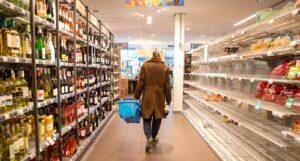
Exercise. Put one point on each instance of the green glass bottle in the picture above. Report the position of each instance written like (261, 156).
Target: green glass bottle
(39, 46)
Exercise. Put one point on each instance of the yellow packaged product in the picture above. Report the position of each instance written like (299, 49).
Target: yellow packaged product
(267, 43)
(277, 42)
(286, 40)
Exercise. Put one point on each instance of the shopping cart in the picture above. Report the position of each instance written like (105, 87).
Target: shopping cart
(129, 110)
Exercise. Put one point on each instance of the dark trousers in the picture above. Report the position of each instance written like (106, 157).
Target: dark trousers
(151, 127)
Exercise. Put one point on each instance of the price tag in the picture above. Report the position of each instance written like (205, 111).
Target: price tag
(270, 81)
(8, 5)
(295, 12)
(270, 53)
(11, 60)
(240, 79)
(271, 21)
(241, 57)
(50, 140)
(258, 105)
(239, 101)
(6, 116)
(289, 103)
(252, 80)
(22, 60)
(243, 32)
(293, 43)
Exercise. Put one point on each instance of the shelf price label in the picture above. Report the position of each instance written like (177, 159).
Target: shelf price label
(295, 12)
(258, 105)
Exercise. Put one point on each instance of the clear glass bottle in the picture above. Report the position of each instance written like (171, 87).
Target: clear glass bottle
(40, 87)
(26, 42)
(15, 49)
(6, 37)
(23, 88)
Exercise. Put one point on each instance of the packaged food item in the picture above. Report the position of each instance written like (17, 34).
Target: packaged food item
(298, 4)
(214, 97)
(287, 91)
(294, 73)
(271, 92)
(296, 126)
(260, 87)
(277, 42)
(267, 43)
(294, 102)
(286, 40)
(283, 68)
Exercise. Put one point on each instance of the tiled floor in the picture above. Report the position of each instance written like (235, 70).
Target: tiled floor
(125, 142)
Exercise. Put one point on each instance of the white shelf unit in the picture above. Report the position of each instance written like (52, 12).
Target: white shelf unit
(263, 132)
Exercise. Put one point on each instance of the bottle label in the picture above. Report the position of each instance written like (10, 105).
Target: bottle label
(82, 133)
(8, 100)
(46, 94)
(18, 42)
(63, 89)
(69, 74)
(49, 127)
(91, 100)
(71, 89)
(30, 94)
(96, 100)
(67, 89)
(55, 92)
(25, 92)
(40, 95)
(40, 8)
(26, 143)
(12, 152)
(28, 46)
(43, 53)
(8, 39)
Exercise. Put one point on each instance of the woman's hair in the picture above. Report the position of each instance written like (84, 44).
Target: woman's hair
(157, 52)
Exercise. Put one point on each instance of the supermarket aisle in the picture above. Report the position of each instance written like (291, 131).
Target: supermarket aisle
(122, 142)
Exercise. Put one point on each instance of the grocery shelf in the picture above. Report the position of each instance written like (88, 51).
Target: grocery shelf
(278, 23)
(18, 60)
(85, 144)
(8, 8)
(104, 100)
(66, 64)
(277, 110)
(250, 77)
(236, 140)
(105, 51)
(292, 134)
(105, 83)
(21, 111)
(67, 128)
(288, 50)
(266, 129)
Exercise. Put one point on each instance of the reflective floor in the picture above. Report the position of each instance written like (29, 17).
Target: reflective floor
(126, 142)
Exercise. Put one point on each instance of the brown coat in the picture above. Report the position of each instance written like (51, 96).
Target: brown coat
(154, 84)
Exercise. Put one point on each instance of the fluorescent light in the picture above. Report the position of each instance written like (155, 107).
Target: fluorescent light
(244, 20)
(149, 20)
(152, 35)
(187, 29)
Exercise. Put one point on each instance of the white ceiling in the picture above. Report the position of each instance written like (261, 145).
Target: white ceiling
(207, 19)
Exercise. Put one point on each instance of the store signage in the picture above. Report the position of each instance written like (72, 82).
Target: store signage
(105, 31)
(94, 20)
(80, 7)
(121, 45)
(150, 3)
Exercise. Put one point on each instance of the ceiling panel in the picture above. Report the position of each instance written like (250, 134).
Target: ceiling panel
(207, 19)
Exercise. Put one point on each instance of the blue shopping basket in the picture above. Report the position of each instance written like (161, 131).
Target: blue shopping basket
(129, 110)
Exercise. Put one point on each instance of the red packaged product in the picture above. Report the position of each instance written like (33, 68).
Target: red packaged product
(286, 92)
(271, 92)
(283, 68)
(296, 105)
(260, 87)
(298, 3)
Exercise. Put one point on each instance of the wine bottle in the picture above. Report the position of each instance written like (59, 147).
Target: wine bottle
(40, 87)
(39, 46)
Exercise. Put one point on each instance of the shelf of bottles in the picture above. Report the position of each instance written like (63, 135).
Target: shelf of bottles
(116, 68)
(55, 74)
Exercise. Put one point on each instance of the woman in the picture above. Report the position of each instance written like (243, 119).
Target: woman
(154, 85)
